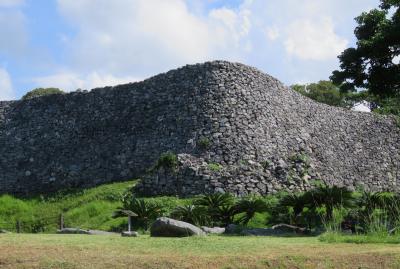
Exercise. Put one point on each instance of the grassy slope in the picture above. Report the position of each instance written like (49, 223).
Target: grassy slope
(89, 209)
(79, 251)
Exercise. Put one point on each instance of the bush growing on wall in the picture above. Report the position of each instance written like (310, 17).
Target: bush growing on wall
(41, 92)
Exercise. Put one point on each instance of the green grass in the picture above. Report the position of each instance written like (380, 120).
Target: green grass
(88, 209)
(334, 237)
(82, 251)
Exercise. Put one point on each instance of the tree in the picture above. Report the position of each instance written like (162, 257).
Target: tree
(372, 64)
(323, 92)
(41, 92)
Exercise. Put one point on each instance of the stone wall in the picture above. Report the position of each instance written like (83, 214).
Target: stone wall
(233, 127)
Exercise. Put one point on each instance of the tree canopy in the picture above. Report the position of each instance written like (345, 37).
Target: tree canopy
(323, 91)
(374, 63)
(41, 92)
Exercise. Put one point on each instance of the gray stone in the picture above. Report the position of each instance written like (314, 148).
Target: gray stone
(73, 231)
(83, 139)
(213, 230)
(166, 227)
(129, 234)
(98, 232)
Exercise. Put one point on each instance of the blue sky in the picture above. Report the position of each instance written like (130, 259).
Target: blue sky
(84, 44)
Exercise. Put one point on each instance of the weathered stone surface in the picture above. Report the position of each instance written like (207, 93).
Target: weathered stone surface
(286, 228)
(73, 231)
(263, 136)
(213, 230)
(130, 234)
(166, 227)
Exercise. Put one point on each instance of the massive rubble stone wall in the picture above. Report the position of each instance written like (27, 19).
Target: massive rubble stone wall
(233, 127)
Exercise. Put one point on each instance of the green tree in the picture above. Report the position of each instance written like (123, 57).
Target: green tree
(323, 92)
(372, 64)
(41, 92)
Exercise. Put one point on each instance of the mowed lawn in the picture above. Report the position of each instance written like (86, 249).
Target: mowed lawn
(85, 251)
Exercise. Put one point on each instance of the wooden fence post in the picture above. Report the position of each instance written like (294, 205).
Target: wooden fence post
(61, 223)
(18, 227)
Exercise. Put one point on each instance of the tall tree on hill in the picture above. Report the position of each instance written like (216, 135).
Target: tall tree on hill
(374, 63)
(323, 92)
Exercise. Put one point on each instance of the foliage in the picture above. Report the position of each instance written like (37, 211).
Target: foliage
(250, 206)
(219, 207)
(323, 92)
(215, 167)
(371, 64)
(38, 92)
(167, 160)
(144, 211)
(332, 197)
(194, 214)
(87, 209)
(204, 143)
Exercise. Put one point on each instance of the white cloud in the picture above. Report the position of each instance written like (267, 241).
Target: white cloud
(6, 89)
(70, 81)
(13, 34)
(272, 32)
(149, 36)
(314, 39)
(11, 3)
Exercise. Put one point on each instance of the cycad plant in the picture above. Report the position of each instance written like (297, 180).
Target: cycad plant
(194, 214)
(220, 207)
(250, 206)
(140, 211)
(332, 197)
(294, 204)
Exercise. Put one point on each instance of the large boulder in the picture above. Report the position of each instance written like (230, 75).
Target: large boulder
(166, 227)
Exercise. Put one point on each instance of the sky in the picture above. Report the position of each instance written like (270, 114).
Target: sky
(84, 44)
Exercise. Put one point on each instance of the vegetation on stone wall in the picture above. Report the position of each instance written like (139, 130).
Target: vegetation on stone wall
(38, 92)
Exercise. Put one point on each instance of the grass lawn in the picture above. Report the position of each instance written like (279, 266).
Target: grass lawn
(83, 251)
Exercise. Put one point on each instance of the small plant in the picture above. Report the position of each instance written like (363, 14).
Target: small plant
(266, 164)
(167, 160)
(215, 167)
(204, 143)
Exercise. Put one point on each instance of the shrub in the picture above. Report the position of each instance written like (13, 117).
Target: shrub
(38, 92)
(215, 167)
(194, 214)
(204, 143)
(167, 160)
(250, 206)
(143, 212)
